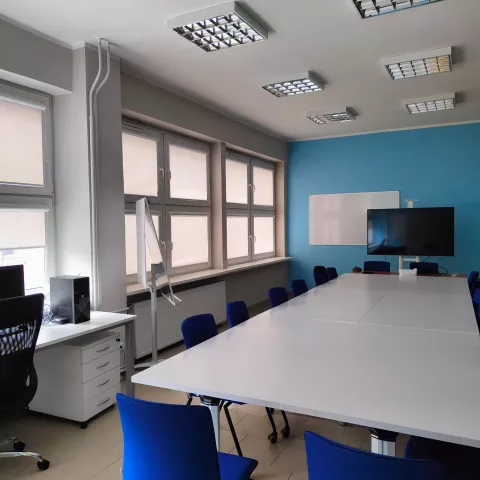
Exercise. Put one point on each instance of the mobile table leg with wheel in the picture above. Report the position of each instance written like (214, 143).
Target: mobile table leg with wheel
(214, 405)
(383, 441)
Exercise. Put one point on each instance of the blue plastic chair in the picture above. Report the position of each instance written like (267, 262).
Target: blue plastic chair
(472, 281)
(299, 287)
(237, 313)
(332, 273)
(174, 441)
(376, 266)
(198, 329)
(277, 296)
(458, 461)
(329, 460)
(425, 267)
(320, 275)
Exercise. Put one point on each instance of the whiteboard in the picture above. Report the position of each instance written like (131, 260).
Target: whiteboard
(341, 219)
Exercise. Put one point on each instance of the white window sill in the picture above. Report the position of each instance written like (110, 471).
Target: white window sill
(211, 273)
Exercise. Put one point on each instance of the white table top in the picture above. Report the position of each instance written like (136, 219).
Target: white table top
(338, 366)
(53, 334)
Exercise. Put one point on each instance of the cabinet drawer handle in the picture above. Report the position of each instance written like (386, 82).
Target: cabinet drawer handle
(104, 383)
(104, 365)
(103, 403)
(103, 349)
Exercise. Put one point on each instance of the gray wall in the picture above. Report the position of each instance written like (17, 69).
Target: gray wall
(32, 61)
(145, 101)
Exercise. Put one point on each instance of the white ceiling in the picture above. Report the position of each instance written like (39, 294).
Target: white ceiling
(325, 36)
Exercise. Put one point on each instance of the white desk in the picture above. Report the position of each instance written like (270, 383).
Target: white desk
(416, 381)
(99, 321)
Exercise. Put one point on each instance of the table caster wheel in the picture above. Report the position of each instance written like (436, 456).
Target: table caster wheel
(285, 432)
(19, 446)
(273, 437)
(43, 465)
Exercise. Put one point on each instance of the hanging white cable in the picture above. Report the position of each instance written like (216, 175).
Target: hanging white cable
(95, 293)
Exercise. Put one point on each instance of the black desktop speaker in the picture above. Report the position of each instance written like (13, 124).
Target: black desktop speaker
(70, 298)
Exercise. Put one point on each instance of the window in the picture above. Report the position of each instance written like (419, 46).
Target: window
(174, 173)
(250, 196)
(26, 189)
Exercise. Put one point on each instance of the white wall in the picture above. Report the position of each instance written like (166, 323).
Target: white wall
(150, 103)
(32, 61)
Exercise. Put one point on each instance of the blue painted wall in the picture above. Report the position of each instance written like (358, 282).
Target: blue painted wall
(437, 166)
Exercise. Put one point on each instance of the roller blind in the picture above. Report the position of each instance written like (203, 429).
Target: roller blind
(22, 229)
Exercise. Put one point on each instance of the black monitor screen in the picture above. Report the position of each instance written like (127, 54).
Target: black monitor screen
(12, 283)
(411, 231)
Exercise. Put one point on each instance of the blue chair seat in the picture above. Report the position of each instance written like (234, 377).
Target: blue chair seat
(233, 467)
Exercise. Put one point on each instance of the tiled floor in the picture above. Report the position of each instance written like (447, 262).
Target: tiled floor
(96, 452)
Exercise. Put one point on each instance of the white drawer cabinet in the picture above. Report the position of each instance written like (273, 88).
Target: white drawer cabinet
(79, 379)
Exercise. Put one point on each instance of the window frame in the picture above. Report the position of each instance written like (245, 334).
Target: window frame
(241, 213)
(251, 209)
(43, 102)
(163, 204)
(193, 211)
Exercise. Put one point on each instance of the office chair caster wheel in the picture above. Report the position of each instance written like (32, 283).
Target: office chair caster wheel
(285, 432)
(43, 465)
(273, 437)
(19, 446)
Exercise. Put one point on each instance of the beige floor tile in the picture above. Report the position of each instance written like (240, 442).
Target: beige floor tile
(299, 476)
(263, 472)
(255, 427)
(296, 422)
(324, 427)
(255, 410)
(227, 444)
(261, 450)
(112, 472)
(235, 414)
(354, 436)
(293, 458)
(401, 443)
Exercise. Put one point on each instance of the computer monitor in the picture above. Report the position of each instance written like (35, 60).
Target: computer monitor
(12, 283)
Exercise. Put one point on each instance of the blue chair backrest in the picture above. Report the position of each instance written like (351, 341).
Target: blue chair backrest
(167, 441)
(198, 328)
(329, 460)
(277, 296)
(331, 273)
(424, 267)
(320, 275)
(299, 287)
(472, 281)
(237, 313)
(376, 266)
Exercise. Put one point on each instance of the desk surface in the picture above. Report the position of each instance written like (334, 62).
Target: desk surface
(53, 334)
(341, 364)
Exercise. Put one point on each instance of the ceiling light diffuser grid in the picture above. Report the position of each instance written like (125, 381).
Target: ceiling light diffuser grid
(322, 118)
(295, 84)
(218, 28)
(431, 104)
(373, 8)
(419, 64)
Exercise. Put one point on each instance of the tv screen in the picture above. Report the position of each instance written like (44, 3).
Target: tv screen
(411, 231)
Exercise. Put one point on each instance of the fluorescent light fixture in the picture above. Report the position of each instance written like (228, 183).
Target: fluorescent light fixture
(295, 84)
(418, 64)
(220, 27)
(373, 8)
(432, 104)
(323, 118)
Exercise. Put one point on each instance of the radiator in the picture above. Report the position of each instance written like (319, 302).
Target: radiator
(207, 299)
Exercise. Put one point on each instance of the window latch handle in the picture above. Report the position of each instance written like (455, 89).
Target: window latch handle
(162, 171)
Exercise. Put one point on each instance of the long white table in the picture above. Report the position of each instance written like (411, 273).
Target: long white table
(398, 354)
(99, 321)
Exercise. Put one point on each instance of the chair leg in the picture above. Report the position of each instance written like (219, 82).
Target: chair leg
(42, 463)
(273, 437)
(232, 429)
(286, 429)
(190, 398)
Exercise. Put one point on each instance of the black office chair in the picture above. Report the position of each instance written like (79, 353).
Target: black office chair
(320, 275)
(20, 321)
(425, 268)
(376, 266)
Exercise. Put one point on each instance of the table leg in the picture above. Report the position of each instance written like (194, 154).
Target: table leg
(383, 441)
(129, 357)
(213, 405)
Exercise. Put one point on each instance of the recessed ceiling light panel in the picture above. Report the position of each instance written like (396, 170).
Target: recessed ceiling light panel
(419, 64)
(295, 84)
(322, 118)
(220, 27)
(373, 8)
(432, 104)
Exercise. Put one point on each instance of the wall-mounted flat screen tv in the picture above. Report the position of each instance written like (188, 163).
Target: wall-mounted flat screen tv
(411, 231)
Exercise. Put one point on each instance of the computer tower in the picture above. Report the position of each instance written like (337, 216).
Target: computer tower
(70, 298)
